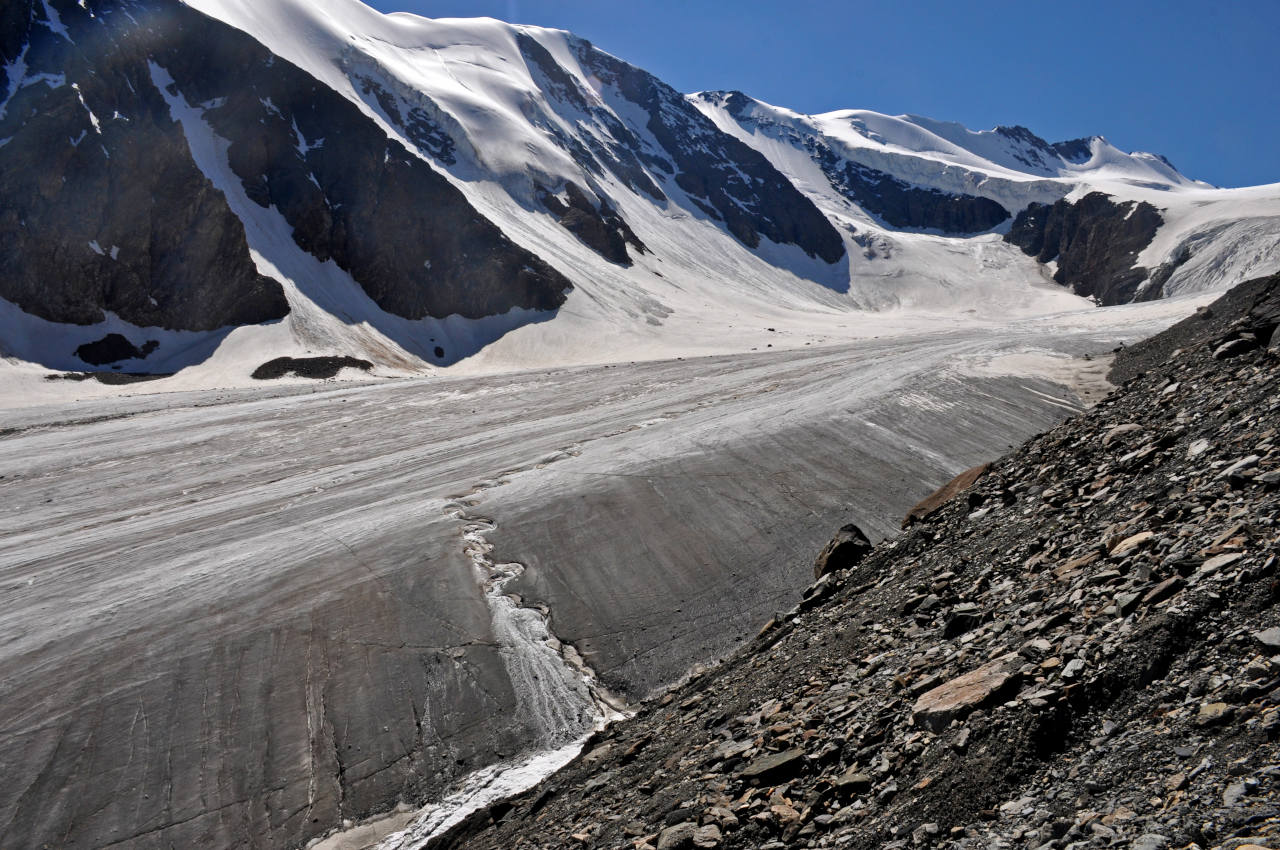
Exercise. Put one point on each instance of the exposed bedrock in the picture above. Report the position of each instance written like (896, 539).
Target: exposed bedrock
(596, 223)
(1095, 242)
(901, 204)
(104, 208)
(113, 348)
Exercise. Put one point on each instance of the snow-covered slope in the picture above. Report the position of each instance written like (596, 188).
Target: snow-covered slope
(471, 194)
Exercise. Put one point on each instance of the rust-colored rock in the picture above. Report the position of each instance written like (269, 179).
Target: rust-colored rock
(932, 503)
(962, 695)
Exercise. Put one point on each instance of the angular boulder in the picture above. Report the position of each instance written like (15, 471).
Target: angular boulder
(775, 767)
(846, 550)
(931, 504)
(962, 695)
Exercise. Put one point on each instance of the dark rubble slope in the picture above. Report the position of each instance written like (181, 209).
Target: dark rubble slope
(1081, 650)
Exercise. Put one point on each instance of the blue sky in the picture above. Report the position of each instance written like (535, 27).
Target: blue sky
(1196, 81)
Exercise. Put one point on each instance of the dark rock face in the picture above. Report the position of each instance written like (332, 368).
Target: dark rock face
(108, 211)
(112, 348)
(901, 204)
(1094, 241)
(596, 224)
(728, 180)
(104, 208)
(1123, 661)
(1039, 155)
(625, 155)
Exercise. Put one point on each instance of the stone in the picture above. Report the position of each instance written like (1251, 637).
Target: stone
(1150, 841)
(1129, 544)
(1217, 562)
(1197, 448)
(1234, 793)
(707, 836)
(1233, 348)
(959, 622)
(844, 551)
(853, 781)
(1127, 603)
(1163, 591)
(1240, 465)
(1119, 431)
(962, 695)
(932, 503)
(1213, 713)
(1270, 638)
(678, 837)
(775, 766)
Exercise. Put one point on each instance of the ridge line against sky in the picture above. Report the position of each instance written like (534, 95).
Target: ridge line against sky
(1197, 82)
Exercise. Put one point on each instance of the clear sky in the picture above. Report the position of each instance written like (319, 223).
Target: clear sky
(1196, 81)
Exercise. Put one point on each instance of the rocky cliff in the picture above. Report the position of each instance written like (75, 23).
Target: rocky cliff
(104, 208)
(1094, 242)
(1078, 650)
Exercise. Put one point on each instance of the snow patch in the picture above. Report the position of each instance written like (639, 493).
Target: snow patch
(54, 21)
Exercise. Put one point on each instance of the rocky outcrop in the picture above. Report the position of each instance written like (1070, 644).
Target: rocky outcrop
(107, 211)
(729, 181)
(1115, 683)
(596, 224)
(1035, 153)
(1094, 241)
(618, 151)
(352, 195)
(895, 201)
(900, 204)
(308, 367)
(113, 348)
